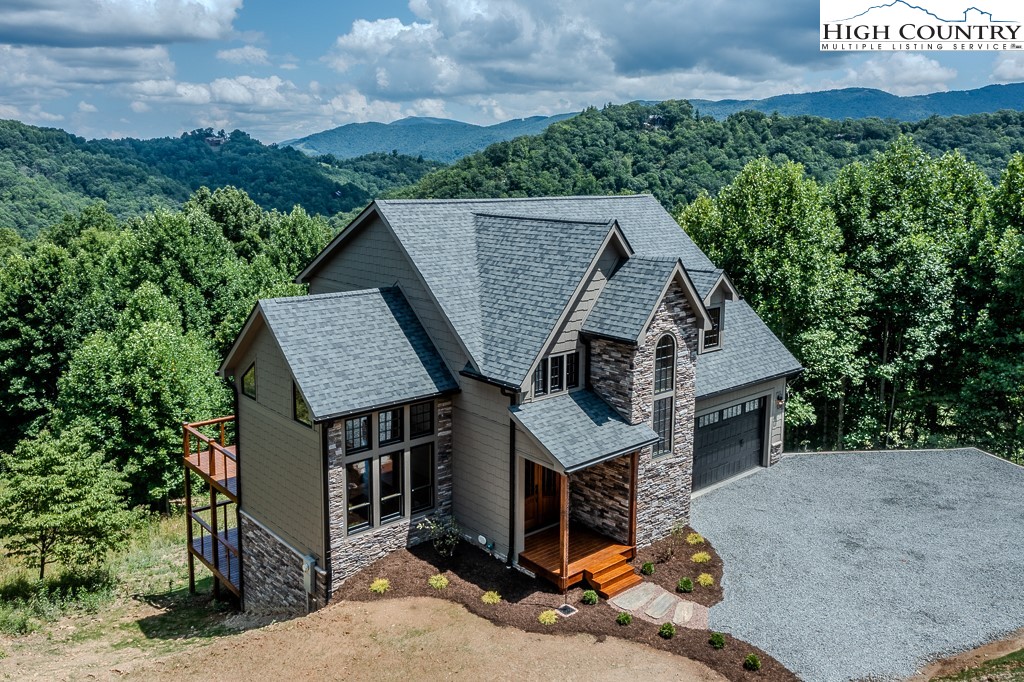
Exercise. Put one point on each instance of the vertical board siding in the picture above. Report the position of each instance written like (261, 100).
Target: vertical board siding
(372, 258)
(481, 462)
(280, 459)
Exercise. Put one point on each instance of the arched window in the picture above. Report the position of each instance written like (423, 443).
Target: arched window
(664, 393)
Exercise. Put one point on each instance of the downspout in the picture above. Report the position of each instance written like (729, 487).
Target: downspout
(513, 397)
(324, 428)
(238, 489)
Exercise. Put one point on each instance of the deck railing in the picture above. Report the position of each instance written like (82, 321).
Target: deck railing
(216, 540)
(217, 446)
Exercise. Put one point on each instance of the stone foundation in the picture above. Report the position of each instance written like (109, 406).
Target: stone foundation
(351, 554)
(599, 498)
(272, 574)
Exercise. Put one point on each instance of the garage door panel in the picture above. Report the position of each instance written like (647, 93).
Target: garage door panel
(730, 445)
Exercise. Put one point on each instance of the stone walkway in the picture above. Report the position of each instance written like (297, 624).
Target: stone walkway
(655, 604)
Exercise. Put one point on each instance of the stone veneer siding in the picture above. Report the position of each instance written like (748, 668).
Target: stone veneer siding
(272, 573)
(623, 375)
(599, 497)
(349, 555)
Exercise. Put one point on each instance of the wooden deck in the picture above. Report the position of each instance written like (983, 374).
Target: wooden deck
(589, 551)
(221, 469)
(228, 565)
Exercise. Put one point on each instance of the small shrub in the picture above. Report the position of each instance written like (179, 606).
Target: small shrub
(684, 585)
(624, 618)
(380, 586)
(490, 597)
(695, 539)
(717, 640)
(667, 631)
(438, 582)
(589, 597)
(647, 568)
(700, 558)
(443, 533)
(752, 662)
(705, 580)
(549, 617)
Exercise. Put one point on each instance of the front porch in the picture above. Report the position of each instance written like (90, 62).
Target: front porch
(591, 556)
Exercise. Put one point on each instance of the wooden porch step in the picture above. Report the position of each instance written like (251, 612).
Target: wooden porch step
(610, 575)
(620, 584)
(605, 564)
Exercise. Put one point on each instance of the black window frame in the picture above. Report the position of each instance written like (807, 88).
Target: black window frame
(430, 486)
(397, 414)
(540, 378)
(572, 370)
(413, 433)
(559, 375)
(367, 479)
(398, 464)
(665, 364)
(715, 315)
(350, 450)
(662, 421)
(255, 385)
(297, 399)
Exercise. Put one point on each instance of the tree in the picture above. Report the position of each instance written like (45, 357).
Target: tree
(62, 501)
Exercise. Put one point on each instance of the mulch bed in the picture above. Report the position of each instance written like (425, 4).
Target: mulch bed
(671, 559)
(471, 573)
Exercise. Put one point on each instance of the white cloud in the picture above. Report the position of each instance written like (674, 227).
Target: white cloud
(8, 111)
(1008, 68)
(113, 23)
(139, 107)
(248, 54)
(901, 73)
(86, 108)
(37, 113)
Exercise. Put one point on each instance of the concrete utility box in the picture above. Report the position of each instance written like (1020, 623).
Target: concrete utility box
(308, 573)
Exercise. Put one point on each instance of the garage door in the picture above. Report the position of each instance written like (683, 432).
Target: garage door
(728, 442)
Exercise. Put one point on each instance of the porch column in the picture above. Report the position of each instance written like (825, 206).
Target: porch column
(634, 469)
(563, 528)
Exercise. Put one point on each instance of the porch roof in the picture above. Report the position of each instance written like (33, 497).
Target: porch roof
(580, 429)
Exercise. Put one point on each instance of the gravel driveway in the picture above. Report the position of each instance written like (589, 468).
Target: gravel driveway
(853, 565)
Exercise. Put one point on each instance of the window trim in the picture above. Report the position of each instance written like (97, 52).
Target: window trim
(716, 328)
(545, 369)
(541, 372)
(401, 426)
(296, 397)
(396, 456)
(371, 516)
(255, 381)
(369, 433)
(433, 420)
(552, 361)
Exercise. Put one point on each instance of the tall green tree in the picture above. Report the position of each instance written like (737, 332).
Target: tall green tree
(62, 501)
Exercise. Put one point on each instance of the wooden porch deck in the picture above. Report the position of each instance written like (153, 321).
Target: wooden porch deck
(221, 469)
(590, 553)
(228, 565)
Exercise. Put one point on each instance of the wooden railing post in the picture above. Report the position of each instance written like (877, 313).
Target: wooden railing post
(634, 470)
(563, 535)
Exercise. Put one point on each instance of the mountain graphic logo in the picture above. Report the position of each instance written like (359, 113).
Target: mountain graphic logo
(969, 15)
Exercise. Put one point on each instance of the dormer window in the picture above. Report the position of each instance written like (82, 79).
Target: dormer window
(556, 374)
(713, 336)
(540, 378)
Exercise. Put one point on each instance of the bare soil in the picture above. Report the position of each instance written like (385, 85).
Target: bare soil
(471, 573)
(954, 665)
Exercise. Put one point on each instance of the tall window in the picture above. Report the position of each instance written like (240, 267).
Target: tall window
(572, 370)
(664, 393)
(300, 408)
(557, 368)
(359, 482)
(422, 468)
(249, 381)
(713, 336)
(540, 378)
(391, 487)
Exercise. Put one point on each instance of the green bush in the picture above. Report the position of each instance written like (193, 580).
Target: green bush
(667, 631)
(443, 532)
(624, 618)
(647, 568)
(700, 558)
(549, 617)
(589, 597)
(717, 640)
(438, 582)
(752, 662)
(705, 580)
(490, 597)
(684, 585)
(380, 586)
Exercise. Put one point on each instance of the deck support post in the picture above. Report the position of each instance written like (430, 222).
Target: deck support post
(213, 536)
(187, 445)
(634, 470)
(563, 534)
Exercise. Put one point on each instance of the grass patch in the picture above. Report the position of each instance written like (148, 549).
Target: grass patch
(1009, 667)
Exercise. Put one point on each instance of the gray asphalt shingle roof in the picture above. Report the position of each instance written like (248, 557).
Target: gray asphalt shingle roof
(704, 280)
(628, 298)
(352, 351)
(579, 429)
(502, 280)
(750, 353)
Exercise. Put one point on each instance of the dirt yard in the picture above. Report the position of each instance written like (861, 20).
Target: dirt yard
(395, 639)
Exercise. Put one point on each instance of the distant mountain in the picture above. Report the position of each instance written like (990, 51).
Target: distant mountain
(439, 139)
(866, 103)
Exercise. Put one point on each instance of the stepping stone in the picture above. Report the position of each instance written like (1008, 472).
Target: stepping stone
(684, 612)
(635, 597)
(663, 606)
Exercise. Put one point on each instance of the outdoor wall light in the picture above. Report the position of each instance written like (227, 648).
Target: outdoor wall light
(780, 399)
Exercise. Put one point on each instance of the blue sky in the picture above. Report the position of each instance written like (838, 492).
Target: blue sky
(148, 68)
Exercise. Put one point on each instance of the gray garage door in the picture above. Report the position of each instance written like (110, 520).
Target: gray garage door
(728, 442)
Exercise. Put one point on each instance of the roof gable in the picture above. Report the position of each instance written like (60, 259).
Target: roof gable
(353, 351)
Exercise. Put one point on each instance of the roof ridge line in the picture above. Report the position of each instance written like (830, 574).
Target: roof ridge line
(488, 200)
(328, 295)
(575, 221)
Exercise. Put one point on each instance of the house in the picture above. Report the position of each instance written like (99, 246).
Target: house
(559, 374)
